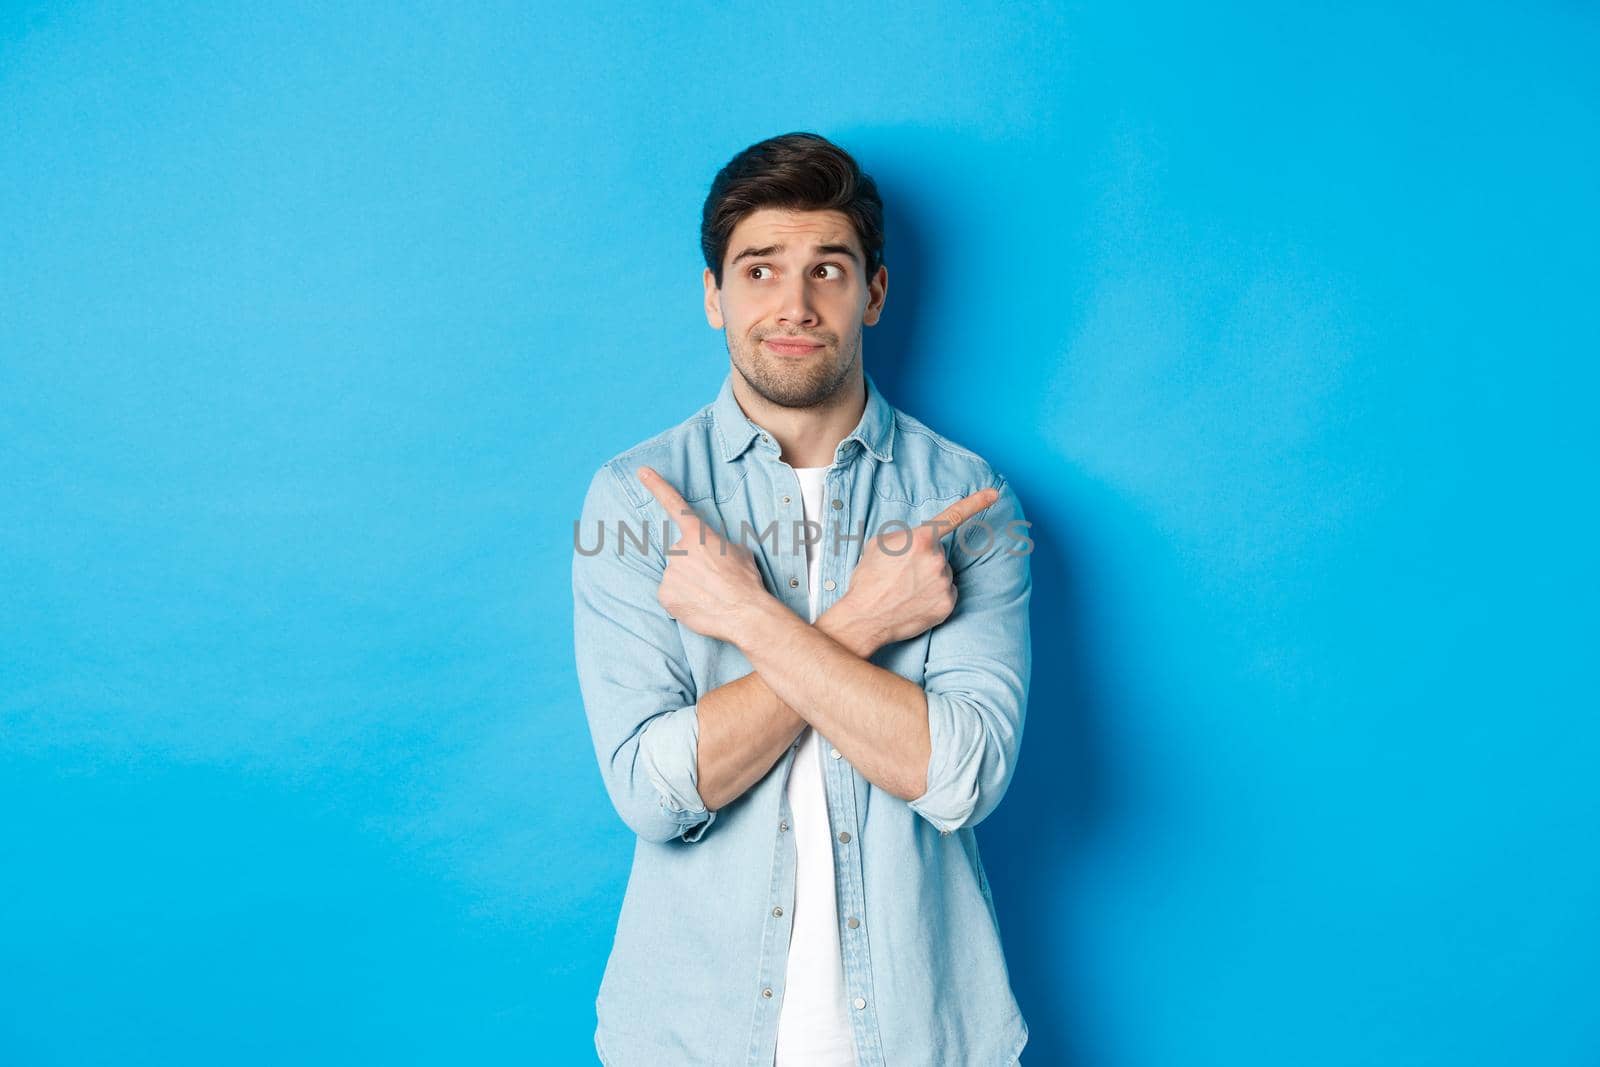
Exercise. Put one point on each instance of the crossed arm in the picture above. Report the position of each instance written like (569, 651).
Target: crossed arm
(813, 674)
(670, 755)
(821, 669)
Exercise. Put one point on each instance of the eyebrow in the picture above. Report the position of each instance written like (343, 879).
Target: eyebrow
(821, 250)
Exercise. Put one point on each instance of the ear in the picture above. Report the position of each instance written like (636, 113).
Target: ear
(713, 301)
(877, 293)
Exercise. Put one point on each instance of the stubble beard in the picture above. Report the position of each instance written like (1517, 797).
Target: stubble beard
(789, 383)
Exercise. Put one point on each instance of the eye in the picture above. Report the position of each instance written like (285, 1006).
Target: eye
(833, 266)
(756, 268)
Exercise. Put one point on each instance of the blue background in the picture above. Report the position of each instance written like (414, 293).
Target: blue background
(314, 324)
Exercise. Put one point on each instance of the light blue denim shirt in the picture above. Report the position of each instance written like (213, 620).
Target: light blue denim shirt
(696, 971)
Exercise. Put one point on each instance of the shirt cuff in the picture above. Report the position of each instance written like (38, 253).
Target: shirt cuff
(670, 751)
(956, 739)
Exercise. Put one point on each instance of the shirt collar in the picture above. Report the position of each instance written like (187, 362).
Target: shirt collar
(875, 431)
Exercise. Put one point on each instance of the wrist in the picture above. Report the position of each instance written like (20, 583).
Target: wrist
(849, 630)
(755, 621)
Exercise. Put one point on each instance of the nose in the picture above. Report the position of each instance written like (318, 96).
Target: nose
(796, 309)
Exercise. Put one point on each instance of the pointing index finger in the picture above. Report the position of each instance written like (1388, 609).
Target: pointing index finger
(677, 508)
(953, 516)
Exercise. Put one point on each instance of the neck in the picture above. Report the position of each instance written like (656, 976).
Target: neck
(810, 436)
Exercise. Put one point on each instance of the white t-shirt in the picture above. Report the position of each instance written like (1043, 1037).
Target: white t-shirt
(813, 1023)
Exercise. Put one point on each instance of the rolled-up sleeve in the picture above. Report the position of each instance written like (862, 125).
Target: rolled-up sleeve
(979, 666)
(638, 692)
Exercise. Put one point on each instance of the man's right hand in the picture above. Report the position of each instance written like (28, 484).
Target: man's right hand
(897, 591)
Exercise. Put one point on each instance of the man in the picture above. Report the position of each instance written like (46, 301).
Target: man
(803, 734)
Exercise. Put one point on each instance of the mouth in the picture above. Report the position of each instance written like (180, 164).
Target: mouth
(792, 346)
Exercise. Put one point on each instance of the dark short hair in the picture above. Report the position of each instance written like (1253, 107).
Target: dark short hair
(798, 172)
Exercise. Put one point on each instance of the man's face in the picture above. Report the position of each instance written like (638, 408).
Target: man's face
(795, 275)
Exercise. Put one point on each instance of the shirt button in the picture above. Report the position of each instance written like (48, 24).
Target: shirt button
(834, 753)
(794, 583)
(852, 922)
(838, 505)
(783, 824)
(786, 498)
(861, 1002)
(944, 833)
(844, 835)
(767, 992)
(764, 437)
(829, 584)
(777, 911)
